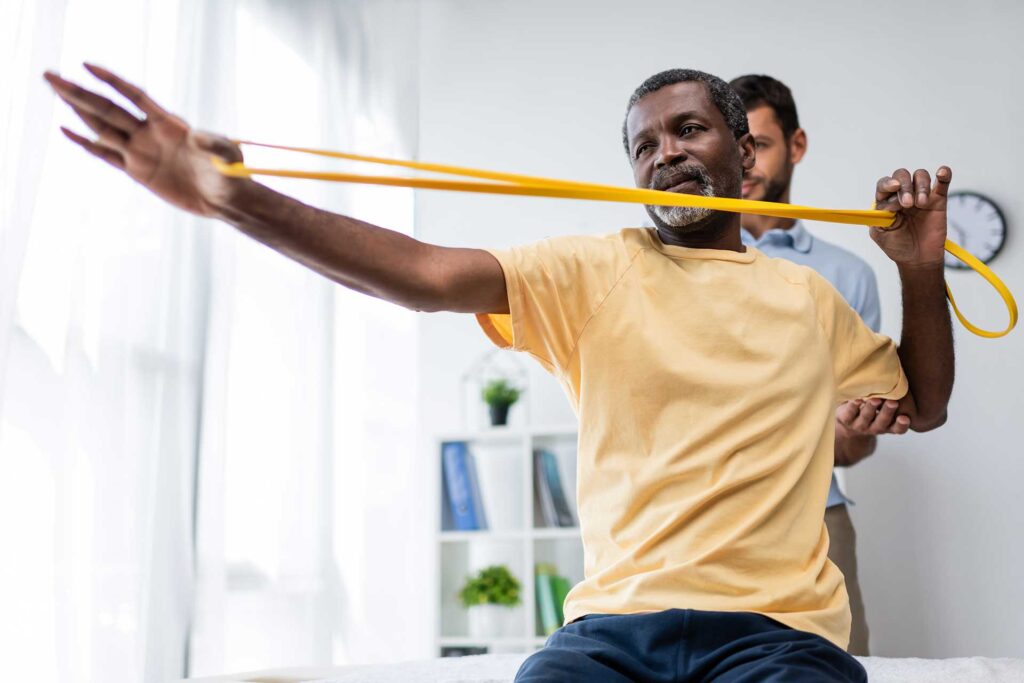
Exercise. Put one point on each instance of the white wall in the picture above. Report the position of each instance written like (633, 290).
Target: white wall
(540, 87)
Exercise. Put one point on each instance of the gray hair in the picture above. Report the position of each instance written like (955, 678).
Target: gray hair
(724, 97)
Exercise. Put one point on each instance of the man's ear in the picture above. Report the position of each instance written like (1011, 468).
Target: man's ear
(748, 151)
(797, 145)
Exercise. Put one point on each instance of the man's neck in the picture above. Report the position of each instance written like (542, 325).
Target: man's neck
(721, 232)
(759, 225)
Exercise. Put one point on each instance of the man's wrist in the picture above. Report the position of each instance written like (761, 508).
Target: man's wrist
(915, 269)
(853, 447)
(922, 278)
(244, 200)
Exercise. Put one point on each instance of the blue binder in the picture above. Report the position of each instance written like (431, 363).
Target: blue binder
(461, 488)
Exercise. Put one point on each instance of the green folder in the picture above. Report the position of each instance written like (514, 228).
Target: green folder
(561, 588)
(548, 608)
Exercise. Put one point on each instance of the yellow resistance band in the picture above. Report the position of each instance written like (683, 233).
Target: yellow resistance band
(532, 186)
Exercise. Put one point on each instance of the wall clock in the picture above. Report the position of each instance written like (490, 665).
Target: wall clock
(976, 223)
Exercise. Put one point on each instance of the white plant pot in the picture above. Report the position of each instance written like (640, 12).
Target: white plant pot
(494, 621)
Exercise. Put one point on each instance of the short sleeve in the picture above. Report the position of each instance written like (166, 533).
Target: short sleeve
(865, 364)
(554, 287)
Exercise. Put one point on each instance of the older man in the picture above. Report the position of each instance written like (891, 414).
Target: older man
(705, 376)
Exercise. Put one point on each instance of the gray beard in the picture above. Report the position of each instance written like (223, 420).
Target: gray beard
(685, 216)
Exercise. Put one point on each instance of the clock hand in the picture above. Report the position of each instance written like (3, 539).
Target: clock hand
(953, 227)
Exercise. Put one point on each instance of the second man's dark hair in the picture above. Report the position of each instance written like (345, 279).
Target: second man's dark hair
(764, 91)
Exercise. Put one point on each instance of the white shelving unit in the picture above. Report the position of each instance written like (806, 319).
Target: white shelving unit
(504, 462)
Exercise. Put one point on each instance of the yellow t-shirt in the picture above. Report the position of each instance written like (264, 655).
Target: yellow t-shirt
(705, 382)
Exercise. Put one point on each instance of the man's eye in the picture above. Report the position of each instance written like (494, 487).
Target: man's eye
(760, 145)
(642, 148)
(686, 130)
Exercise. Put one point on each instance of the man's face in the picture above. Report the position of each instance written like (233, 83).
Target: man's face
(769, 179)
(679, 141)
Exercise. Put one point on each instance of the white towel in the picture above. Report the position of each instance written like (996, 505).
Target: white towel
(502, 669)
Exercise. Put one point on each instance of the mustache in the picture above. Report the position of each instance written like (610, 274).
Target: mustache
(670, 176)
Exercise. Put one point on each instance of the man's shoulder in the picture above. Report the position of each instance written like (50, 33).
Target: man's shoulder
(591, 260)
(793, 272)
(627, 239)
(841, 258)
(611, 252)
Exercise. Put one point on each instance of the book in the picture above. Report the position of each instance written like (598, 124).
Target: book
(548, 485)
(447, 517)
(543, 503)
(460, 488)
(547, 608)
(462, 650)
(474, 492)
(561, 587)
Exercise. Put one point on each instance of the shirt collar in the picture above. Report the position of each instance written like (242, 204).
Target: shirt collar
(796, 237)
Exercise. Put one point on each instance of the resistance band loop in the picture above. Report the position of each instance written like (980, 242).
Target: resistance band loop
(532, 186)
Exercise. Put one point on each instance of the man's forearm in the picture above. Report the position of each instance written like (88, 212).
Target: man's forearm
(926, 345)
(364, 257)
(850, 449)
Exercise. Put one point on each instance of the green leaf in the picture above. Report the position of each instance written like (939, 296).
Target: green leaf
(500, 392)
(493, 585)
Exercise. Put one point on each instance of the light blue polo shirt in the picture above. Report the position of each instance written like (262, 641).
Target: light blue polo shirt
(848, 273)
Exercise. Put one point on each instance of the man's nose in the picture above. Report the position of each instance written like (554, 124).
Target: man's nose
(670, 151)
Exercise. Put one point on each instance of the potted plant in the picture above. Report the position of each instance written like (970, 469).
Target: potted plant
(499, 395)
(490, 596)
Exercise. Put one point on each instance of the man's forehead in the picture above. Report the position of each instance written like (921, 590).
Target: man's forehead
(764, 121)
(688, 96)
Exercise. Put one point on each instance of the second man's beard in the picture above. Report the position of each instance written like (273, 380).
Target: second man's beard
(774, 189)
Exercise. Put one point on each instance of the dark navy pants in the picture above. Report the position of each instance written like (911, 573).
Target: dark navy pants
(682, 645)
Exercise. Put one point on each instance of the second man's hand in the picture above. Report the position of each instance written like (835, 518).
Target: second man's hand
(859, 422)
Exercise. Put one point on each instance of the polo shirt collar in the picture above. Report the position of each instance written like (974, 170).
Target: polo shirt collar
(802, 239)
(796, 237)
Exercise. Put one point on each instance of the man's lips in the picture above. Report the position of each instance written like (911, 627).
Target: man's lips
(688, 186)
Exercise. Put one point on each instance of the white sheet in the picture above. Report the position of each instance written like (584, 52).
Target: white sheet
(502, 669)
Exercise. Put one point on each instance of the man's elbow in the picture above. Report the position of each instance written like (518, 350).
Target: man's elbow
(425, 300)
(426, 292)
(926, 423)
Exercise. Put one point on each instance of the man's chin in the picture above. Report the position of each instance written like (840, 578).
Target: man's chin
(696, 224)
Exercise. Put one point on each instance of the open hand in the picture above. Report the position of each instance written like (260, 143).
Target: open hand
(918, 235)
(160, 152)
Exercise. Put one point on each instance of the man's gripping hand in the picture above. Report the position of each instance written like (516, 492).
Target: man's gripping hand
(160, 152)
(859, 422)
(871, 417)
(917, 237)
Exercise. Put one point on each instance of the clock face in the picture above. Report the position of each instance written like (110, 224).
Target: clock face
(976, 224)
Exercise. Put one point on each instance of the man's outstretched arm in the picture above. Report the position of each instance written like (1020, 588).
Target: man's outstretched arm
(366, 258)
(915, 243)
(165, 155)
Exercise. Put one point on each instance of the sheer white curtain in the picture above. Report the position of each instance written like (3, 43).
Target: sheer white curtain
(305, 403)
(147, 355)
